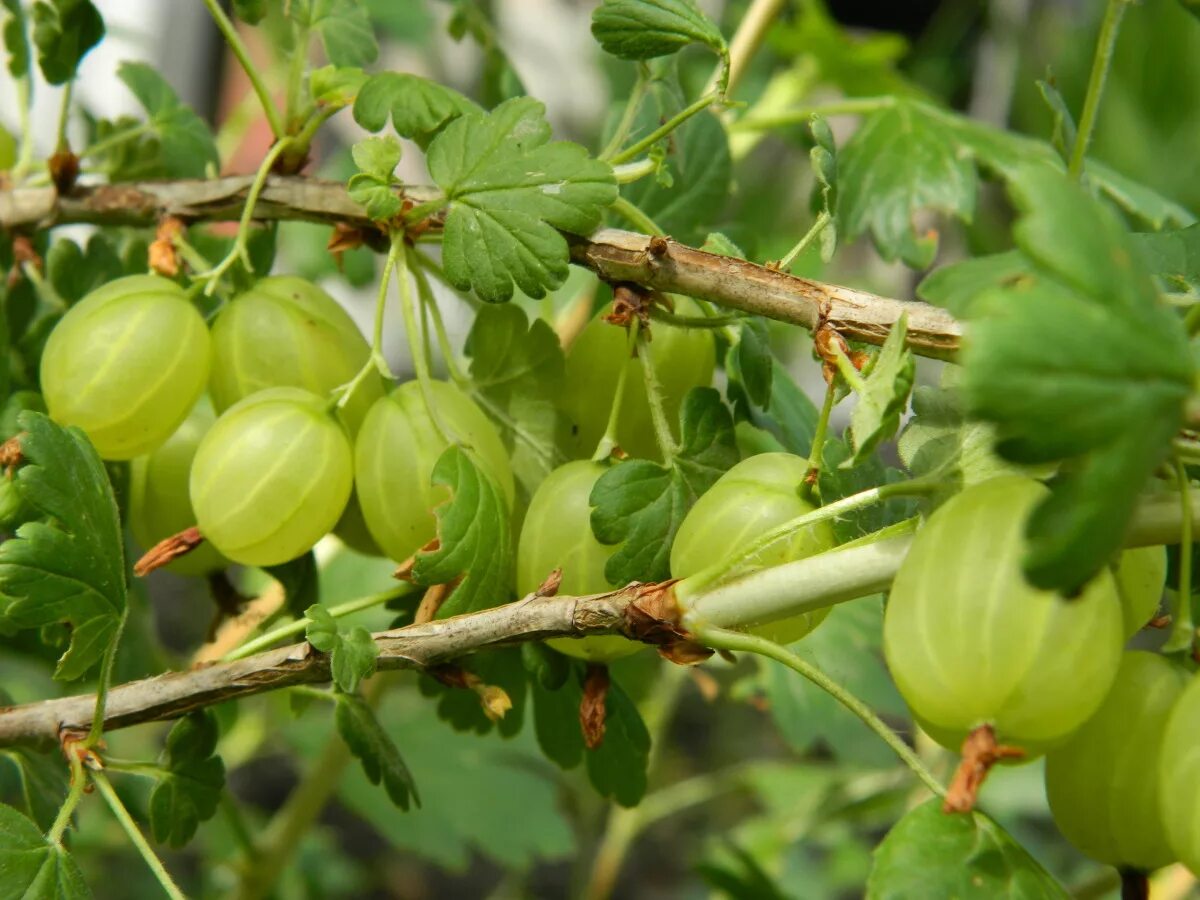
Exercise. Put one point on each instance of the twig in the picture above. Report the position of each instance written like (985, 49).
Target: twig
(614, 255)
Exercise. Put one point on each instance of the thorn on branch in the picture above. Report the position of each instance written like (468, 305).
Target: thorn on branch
(168, 550)
(654, 617)
(64, 170)
(592, 706)
(549, 587)
(73, 744)
(979, 753)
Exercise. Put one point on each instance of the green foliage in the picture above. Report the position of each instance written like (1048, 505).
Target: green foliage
(475, 538)
(1090, 310)
(509, 188)
(640, 504)
(644, 29)
(16, 40)
(1173, 256)
(515, 368)
(185, 143)
(381, 761)
(71, 568)
(931, 854)
(344, 27)
(749, 363)
(300, 580)
(63, 32)
(823, 158)
(193, 777)
(33, 867)
(376, 158)
(352, 653)
(882, 391)
(419, 108)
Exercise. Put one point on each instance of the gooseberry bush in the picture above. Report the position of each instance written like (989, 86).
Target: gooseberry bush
(674, 562)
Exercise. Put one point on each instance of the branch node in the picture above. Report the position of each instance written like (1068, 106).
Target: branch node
(980, 752)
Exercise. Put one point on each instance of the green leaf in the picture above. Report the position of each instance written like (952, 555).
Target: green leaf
(847, 647)
(301, 581)
(617, 768)
(185, 142)
(43, 780)
(749, 363)
(75, 273)
(700, 175)
(722, 245)
(463, 709)
(1192, 6)
(419, 108)
(336, 86)
(823, 157)
(1063, 133)
(1079, 364)
(1136, 199)
(515, 368)
(546, 668)
(16, 41)
(190, 788)
(74, 569)
(475, 538)
(509, 190)
(33, 867)
(929, 853)
(250, 11)
(640, 504)
(882, 393)
(344, 27)
(381, 761)
(1173, 256)
(897, 164)
(741, 878)
(837, 481)
(556, 720)
(353, 652)
(644, 29)
(63, 32)
(376, 158)
(791, 416)
(955, 287)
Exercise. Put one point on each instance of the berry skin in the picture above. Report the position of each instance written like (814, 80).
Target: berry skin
(126, 364)
(271, 477)
(1179, 777)
(1141, 576)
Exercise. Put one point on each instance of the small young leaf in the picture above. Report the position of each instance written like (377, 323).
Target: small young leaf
(644, 29)
(931, 854)
(63, 32)
(336, 86)
(640, 504)
(823, 157)
(43, 780)
(74, 569)
(344, 27)
(376, 158)
(1091, 311)
(16, 41)
(190, 788)
(516, 368)
(32, 867)
(882, 394)
(474, 535)
(186, 144)
(617, 768)
(353, 653)
(380, 759)
(722, 245)
(509, 189)
(1062, 135)
(419, 108)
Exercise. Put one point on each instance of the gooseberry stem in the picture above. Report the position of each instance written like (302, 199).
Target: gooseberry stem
(608, 440)
(815, 453)
(376, 360)
(662, 428)
(416, 347)
(1183, 631)
(1101, 62)
(229, 32)
(136, 837)
(809, 236)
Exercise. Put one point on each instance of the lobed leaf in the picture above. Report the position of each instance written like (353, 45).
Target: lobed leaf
(72, 567)
(419, 108)
(882, 394)
(32, 867)
(185, 142)
(353, 653)
(640, 504)
(509, 192)
(344, 27)
(474, 538)
(644, 29)
(63, 32)
(749, 364)
(381, 761)
(188, 791)
(929, 853)
(376, 159)
(16, 40)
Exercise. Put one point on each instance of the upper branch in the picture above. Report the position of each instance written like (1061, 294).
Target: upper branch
(613, 255)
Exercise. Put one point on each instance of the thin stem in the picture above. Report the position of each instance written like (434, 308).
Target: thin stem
(1101, 62)
(608, 440)
(25, 153)
(628, 116)
(654, 394)
(295, 75)
(722, 639)
(722, 570)
(107, 664)
(115, 140)
(666, 128)
(136, 837)
(64, 117)
(229, 32)
(79, 785)
(291, 629)
(817, 450)
(429, 302)
(635, 217)
(239, 250)
(376, 361)
(751, 32)
(1182, 628)
(416, 348)
(851, 106)
(809, 236)
(237, 823)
